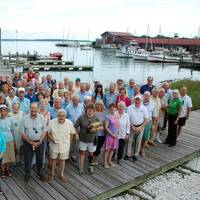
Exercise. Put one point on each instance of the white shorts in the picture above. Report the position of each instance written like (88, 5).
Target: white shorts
(84, 146)
(60, 156)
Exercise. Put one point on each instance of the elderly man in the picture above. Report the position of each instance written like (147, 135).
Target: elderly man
(185, 111)
(82, 93)
(60, 88)
(31, 95)
(33, 132)
(130, 89)
(138, 115)
(110, 96)
(149, 86)
(57, 105)
(74, 111)
(23, 102)
(60, 131)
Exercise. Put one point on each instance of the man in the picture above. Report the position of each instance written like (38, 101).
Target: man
(185, 111)
(48, 83)
(57, 105)
(130, 88)
(23, 102)
(60, 88)
(33, 132)
(60, 130)
(82, 93)
(74, 111)
(149, 86)
(110, 96)
(120, 84)
(77, 85)
(138, 115)
(31, 95)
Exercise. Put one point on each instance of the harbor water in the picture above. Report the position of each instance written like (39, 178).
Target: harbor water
(107, 67)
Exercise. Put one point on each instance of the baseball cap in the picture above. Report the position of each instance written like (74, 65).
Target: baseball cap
(21, 89)
(3, 107)
(30, 88)
(78, 79)
(53, 81)
(137, 97)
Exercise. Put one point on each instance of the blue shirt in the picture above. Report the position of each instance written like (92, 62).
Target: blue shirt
(73, 113)
(2, 143)
(130, 92)
(145, 88)
(32, 99)
(82, 95)
(5, 128)
(110, 98)
(53, 112)
(24, 104)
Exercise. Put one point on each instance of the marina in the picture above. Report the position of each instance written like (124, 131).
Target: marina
(106, 183)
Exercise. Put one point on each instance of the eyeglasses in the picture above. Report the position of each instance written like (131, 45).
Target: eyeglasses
(36, 131)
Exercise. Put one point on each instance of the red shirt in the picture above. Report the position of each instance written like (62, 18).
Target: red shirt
(125, 99)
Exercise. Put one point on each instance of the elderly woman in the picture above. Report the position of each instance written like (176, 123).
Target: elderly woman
(5, 128)
(111, 140)
(87, 126)
(124, 129)
(99, 106)
(16, 116)
(123, 97)
(150, 121)
(174, 110)
(60, 130)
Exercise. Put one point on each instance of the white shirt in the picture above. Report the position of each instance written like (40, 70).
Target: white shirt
(137, 115)
(186, 104)
(151, 110)
(124, 125)
(61, 134)
(157, 103)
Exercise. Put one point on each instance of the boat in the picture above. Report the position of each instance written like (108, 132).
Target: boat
(86, 47)
(141, 54)
(108, 46)
(124, 52)
(56, 56)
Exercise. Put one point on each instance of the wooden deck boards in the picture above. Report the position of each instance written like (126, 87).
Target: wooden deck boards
(106, 182)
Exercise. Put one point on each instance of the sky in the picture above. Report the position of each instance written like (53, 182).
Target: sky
(88, 19)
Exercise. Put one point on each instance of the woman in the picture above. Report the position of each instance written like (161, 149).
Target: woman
(98, 93)
(174, 110)
(87, 126)
(66, 100)
(9, 155)
(123, 97)
(111, 140)
(124, 129)
(48, 96)
(10, 98)
(40, 96)
(16, 116)
(101, 115)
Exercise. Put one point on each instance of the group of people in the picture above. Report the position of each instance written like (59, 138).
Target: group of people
(42, 120)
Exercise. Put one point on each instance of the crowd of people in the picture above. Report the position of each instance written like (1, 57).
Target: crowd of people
(43, 121)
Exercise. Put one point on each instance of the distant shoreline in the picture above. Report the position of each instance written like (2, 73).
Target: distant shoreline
(44, 40)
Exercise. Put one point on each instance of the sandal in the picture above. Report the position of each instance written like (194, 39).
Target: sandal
(9, 173)
(3, 174)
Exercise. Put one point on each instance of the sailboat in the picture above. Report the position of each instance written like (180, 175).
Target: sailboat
(86, 46)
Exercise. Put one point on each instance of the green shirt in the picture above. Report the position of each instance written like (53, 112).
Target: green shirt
(174, 105)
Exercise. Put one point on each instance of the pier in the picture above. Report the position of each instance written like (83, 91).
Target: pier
(106, 183)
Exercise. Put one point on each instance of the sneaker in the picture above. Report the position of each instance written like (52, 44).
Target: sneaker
(135, 158)
(158, 139)
(119, 162)
(81, 171)
(91, 170)
(126, 158)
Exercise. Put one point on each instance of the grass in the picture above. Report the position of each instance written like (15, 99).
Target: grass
(193, 90)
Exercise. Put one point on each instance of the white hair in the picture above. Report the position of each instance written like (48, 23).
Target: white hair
(62, 111)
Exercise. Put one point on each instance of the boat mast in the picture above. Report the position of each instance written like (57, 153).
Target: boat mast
(0, 44)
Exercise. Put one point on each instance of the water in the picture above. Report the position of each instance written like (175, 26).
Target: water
(107, 67)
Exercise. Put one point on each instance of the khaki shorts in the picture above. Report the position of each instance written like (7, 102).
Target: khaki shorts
(61, 156)
(90, 147)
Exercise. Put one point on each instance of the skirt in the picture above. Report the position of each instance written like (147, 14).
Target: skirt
(111, 143)
(9, 155)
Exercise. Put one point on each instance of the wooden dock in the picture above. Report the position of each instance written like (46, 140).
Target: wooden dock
(108, 182)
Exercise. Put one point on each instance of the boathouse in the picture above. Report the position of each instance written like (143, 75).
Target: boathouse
(190, 44)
